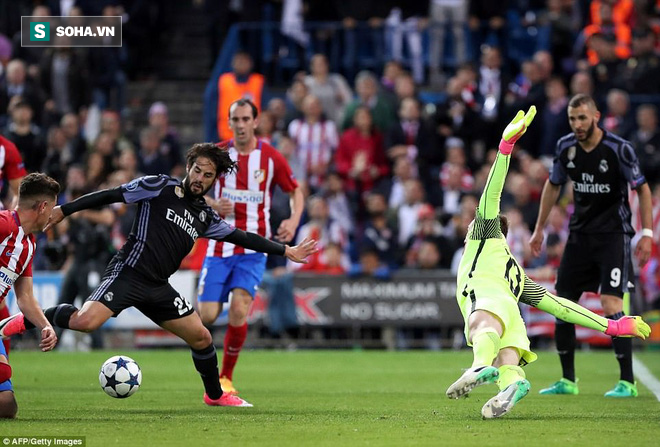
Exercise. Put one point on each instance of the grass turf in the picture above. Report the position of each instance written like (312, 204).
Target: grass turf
(323, 398)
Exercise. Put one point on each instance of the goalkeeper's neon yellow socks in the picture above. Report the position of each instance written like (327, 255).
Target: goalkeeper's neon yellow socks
(509, 374)
(485, 347)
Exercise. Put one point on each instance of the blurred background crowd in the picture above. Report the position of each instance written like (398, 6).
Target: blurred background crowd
(389, 113)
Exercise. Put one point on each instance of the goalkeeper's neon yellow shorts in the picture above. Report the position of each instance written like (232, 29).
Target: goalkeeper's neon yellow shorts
(505, 307)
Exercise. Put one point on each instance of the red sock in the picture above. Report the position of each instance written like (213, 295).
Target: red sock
(234, 339)
(4, 313)
(5, 372)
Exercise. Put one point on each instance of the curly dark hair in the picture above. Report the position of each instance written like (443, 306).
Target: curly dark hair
(219, 156)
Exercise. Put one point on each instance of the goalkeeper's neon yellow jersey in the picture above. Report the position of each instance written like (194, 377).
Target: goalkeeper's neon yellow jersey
(487, 267)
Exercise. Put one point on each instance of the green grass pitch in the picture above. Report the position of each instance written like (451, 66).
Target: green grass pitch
(324, 398)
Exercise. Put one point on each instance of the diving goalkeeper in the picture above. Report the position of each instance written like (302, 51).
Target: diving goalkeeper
(489, 285)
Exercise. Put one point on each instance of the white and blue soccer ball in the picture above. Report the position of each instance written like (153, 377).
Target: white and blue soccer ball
(120, 376)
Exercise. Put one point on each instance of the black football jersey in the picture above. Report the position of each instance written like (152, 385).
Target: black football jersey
(167, 223)
(600, 182)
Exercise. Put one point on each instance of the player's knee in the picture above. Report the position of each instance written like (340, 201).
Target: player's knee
(611, 304)
(208, 314)
(239, 308)
(8, 405)
(481, 321)
(201, 339)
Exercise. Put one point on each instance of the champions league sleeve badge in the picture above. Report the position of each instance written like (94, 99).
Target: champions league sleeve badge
(571, 156)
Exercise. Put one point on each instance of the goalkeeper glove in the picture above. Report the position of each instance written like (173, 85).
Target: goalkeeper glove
(628, 327)
(516, 129)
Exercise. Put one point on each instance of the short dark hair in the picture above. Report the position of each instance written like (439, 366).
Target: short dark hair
(244, 102)
(218, 155)
(35, 187)
(582, 99)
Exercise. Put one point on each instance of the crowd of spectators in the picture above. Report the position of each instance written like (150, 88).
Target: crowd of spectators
(392, 179)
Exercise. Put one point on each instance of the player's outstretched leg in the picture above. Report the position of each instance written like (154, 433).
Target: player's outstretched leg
(14, 325)
(513, 387)
(485, 347)
(18, 324)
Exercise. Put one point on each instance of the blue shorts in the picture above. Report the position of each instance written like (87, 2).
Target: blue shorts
(221, 275)
(6, 385)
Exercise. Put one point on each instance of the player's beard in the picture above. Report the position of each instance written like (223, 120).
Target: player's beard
(589, 132)
(187, 187)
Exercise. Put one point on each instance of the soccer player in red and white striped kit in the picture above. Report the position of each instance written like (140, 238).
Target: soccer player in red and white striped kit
(12, 169)
(243, 200)
(36, 198)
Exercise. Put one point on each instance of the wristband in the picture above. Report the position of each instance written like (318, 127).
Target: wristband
(647, 232)
(505, 147)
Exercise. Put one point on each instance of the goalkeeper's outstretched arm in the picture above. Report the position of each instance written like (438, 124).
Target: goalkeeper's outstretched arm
(566, 310)
(489, 203)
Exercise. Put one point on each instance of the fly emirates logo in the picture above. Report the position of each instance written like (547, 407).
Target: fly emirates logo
(588, 186)
(185, 223)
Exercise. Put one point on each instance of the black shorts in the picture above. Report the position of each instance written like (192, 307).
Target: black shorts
(122, 287)
(593, 261)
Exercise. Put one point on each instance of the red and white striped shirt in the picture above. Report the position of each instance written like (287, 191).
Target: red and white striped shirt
(250, 188)
(11, 163)
(16, 250)
(315, 144)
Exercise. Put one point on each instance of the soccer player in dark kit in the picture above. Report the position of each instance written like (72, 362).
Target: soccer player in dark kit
(171, 215)
(597, 256)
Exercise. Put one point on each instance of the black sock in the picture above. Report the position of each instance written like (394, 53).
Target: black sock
(57, 316)
(565, 339)
(60, 315)
(623, 351)
(206, 364)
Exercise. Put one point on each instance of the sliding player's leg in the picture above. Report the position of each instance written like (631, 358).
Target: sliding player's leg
(484, 330)
(511, 381)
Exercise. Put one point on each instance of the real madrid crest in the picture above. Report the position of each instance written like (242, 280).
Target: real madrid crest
(571, 156)
(602, 167)
(260, 175)
(178, 191)
(202, 216)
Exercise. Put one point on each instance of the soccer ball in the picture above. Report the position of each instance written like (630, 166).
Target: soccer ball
(120, 376)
